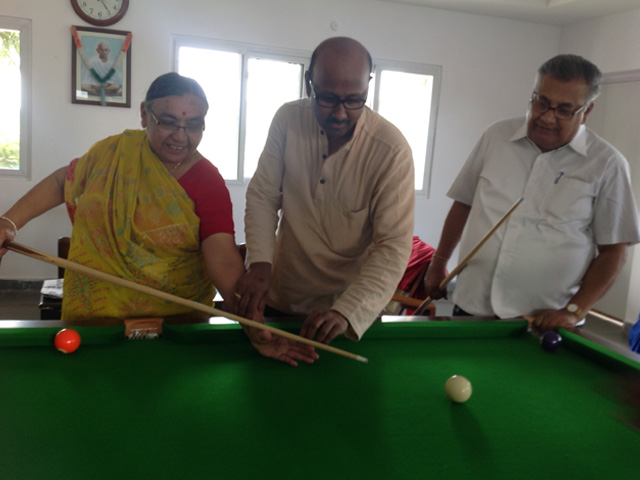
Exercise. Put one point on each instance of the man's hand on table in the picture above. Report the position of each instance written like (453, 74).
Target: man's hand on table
(554, 319)
(324, 325)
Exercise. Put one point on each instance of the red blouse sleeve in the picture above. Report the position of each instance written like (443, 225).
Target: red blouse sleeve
(205, 186)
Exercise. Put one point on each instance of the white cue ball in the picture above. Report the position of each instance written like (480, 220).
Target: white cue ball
(458, 389)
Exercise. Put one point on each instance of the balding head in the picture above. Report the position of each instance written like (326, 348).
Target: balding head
(344, 47)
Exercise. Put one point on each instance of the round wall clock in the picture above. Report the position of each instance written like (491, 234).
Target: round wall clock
(100, 12)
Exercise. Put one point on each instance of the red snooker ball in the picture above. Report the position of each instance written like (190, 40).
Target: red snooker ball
(67, 340)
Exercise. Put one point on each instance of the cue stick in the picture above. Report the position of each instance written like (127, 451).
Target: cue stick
(82, 269)
(410, 301)
(466, 259)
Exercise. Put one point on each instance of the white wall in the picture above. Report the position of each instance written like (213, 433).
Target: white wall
(488, 68)
(616, 117)
(611, 43)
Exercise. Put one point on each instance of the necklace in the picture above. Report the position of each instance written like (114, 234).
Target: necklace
(176, 166)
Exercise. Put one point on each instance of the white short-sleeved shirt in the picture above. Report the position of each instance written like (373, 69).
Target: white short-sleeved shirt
(575, 198)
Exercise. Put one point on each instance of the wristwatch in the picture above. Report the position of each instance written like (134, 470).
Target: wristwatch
(573, 308)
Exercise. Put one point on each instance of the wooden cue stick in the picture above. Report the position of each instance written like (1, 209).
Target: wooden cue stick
(466, 259)
(76, 267)
(410, 301)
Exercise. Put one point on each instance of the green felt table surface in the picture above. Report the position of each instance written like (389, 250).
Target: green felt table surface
(199, 402)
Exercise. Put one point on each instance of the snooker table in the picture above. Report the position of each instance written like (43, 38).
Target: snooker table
(199, 402)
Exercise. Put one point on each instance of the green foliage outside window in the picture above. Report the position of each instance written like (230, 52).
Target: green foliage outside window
(10, 65)
(9, 154)
(10, 45)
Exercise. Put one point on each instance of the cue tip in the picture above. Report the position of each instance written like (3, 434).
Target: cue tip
(362, 359)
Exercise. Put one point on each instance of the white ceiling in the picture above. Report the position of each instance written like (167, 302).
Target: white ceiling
(553, 12)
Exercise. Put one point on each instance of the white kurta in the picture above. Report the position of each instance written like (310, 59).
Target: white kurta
(575, 198)
(346, 230)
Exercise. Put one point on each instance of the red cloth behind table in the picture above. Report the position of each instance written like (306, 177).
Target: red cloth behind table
(421, 254)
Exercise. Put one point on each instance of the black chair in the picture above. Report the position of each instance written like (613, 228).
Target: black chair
(51, 307)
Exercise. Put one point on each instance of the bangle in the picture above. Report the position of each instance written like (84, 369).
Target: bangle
(435, 255)
(15, 229)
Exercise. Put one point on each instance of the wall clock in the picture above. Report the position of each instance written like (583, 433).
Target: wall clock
(100, 12)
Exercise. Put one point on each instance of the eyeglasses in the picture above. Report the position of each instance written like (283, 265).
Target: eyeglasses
(562, 112)
(170, 126)
(332, 101)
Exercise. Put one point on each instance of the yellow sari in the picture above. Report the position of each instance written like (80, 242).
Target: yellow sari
(132, 219)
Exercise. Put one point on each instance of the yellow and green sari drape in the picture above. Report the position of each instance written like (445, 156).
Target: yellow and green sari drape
(131, 219)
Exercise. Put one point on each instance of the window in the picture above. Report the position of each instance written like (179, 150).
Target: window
(15, 95)
(406, 95)
(245, 85)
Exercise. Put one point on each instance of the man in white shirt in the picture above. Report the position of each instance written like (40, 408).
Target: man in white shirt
(336, 181)
(562, 248)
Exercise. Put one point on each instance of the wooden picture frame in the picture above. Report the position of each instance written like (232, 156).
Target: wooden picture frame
(100, 67)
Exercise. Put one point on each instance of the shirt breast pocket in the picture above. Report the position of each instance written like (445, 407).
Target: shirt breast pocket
(569, 200)
(349, 232)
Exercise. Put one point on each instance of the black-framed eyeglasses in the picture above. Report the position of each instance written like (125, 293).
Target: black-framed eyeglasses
(562, 112)
(170, 126)
(332, 101)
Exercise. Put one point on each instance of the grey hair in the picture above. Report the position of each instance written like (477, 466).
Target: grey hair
(569, 67)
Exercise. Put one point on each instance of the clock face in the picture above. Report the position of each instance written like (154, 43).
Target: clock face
(100, 12)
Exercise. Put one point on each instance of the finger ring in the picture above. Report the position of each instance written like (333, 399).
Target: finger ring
(237, 295)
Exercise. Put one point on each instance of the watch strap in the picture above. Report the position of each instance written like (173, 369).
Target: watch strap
(573, 308)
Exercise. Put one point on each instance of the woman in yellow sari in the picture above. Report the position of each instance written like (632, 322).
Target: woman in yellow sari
(148, 207)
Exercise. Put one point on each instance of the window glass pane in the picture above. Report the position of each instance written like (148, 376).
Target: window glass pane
(371, 92)
(219, 73)
(405, 100)
(270, 84)
(247, 84)
(10, 99)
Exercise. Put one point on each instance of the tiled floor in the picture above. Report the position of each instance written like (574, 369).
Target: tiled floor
(23, 304)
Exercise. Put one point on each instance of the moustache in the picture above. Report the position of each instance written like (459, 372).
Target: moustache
(336, 123)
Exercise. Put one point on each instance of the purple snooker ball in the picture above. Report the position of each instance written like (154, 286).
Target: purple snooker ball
(551, 341)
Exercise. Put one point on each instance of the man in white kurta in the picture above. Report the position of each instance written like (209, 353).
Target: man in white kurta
(561, 249)
(339, 181)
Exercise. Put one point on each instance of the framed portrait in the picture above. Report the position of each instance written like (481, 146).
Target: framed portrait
(100, 67)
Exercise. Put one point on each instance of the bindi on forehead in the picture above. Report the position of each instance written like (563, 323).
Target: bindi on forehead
(184, 113)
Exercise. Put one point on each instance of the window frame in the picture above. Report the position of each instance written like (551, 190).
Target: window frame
(422, 69)
(246, 51)
(302, 57)
(23, 25)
